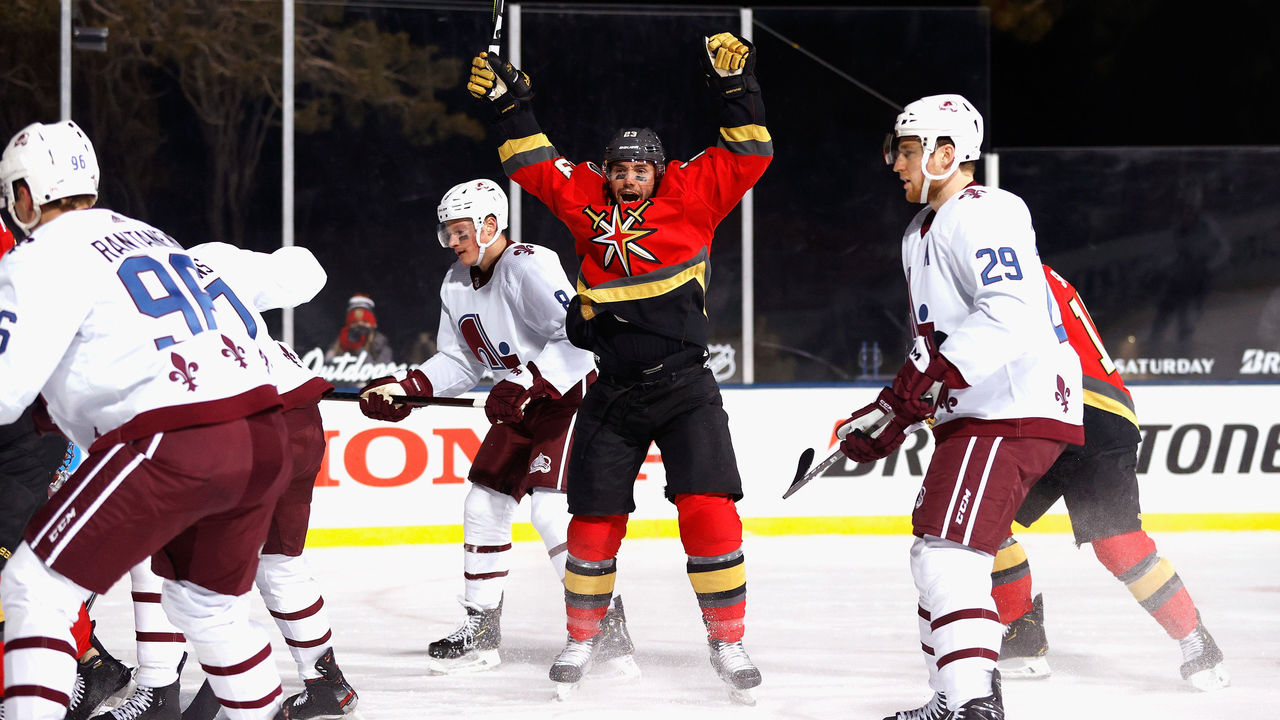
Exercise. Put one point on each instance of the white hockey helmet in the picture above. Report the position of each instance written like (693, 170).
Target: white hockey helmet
(933, 117)
(473, 200)
(55, 161)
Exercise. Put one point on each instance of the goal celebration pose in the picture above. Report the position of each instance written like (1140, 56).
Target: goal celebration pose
(643, 227)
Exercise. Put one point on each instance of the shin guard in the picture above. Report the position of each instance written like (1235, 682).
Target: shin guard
(712, 535)
(590, 571)
(1133, 559)
(1011, 581)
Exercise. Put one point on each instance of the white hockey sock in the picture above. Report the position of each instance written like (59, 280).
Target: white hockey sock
(40, 606)
(160, 643)
(486, 545)
(292, 596)
(549, 513)
(954, 582)
(234, 651)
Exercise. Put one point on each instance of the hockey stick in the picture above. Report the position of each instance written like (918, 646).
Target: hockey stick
(419, 400)
(499, 10)
(802, 478)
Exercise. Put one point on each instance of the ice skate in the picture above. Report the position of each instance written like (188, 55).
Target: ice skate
(935, 709)
(1023, 649)
(613, 651)
(990, 707)
(150, 703)
(472, 647)
(1202, 665)
(98, 679)
(736, 670)
(328, 696)
(574, 661)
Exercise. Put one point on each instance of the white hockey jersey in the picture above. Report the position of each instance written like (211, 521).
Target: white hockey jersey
(513, 317)
(973, 275)
(102, 315)
(287, 277)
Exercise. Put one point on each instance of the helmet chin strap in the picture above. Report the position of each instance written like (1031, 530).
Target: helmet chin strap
(924, 170)
(484, 246)
(21, 230)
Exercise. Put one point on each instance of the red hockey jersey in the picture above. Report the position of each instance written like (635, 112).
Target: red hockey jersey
(1104, 389)
(646, 263)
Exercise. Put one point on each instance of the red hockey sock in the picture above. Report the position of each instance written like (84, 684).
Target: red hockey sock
(590, 570)
(1011, 581)
(712, 535)
(1133, 559)
(81, 631)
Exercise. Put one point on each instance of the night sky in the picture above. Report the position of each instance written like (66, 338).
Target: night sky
(1128, 72)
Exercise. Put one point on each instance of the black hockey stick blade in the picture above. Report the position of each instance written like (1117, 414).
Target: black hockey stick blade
(204, 706)
(499, 10)
(802, 467)
(822, 467)
(419, 400)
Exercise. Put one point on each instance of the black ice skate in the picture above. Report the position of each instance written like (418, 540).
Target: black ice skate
(990, 707)
(935, 709)
(1202, 667)
(736, 669)
(571, 664)
(613, 650)
(328, 696)
(1023, 649)
(472, 647)
(97, 679)
(150, 703)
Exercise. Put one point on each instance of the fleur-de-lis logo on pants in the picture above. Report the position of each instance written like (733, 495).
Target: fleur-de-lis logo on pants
(186, 372)
(1063, 393)
(233, 351)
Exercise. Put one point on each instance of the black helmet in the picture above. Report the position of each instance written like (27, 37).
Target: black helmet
(636, 145)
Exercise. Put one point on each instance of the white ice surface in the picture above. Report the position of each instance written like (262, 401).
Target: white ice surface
(830, 621)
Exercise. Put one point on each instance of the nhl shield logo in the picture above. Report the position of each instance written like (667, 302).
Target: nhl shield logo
(541, 464)
(722, 361)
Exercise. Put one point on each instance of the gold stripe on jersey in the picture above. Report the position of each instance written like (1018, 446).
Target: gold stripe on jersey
(525, 151)
(1109, 398)
(642, 287)
(747, 140)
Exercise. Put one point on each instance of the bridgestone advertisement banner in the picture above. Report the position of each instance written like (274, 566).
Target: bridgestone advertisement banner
(1209, 452)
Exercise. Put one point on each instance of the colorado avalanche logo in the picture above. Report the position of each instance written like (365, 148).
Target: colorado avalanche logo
(541, 464)
(494, 357)
(1063, 393)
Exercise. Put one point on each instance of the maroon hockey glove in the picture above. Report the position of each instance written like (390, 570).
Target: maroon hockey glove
(509, 398)
(911, 387)
(377, 399)
(874, 431)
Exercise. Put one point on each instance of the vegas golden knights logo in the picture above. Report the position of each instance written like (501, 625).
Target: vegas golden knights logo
(620, 232)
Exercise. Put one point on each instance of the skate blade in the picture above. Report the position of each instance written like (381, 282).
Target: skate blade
(623, 667)
(1215, 678)
(742, 696)
(564, 691)
(1024, 668)
(473, 662)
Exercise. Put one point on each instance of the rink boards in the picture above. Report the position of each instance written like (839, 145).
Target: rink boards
(1210, 460)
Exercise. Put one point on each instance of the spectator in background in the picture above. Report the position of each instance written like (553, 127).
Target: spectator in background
(360, 333)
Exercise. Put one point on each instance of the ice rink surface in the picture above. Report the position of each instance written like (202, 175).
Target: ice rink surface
(830, 621)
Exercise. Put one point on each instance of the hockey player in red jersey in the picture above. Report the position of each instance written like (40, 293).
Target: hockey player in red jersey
(502, 311)
(136, 367)
(643, 227)
(992, 372)
(1099, 482)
